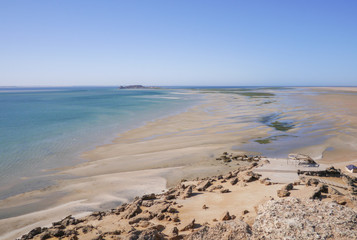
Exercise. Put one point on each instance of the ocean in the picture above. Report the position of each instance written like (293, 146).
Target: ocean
(43, 129)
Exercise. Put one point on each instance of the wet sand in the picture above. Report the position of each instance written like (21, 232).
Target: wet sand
(340, 104)
(159, 154)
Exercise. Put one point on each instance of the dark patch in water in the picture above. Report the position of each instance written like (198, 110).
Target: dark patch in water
(263, 141)
(281, 126)
(265, 102)
(270, 139)
(272, 121)
(256, 94)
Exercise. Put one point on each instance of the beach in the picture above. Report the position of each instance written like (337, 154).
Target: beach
(159, 154)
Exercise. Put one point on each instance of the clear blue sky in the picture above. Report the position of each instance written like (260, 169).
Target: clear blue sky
(183, 42)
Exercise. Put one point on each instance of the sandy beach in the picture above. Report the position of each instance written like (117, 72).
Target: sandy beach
(154, 157)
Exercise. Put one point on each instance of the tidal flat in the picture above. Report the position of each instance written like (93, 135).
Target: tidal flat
(157, 155)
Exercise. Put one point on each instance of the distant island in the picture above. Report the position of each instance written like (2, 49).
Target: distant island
(137, 87)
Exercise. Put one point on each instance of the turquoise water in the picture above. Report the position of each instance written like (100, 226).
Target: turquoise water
(46, 128)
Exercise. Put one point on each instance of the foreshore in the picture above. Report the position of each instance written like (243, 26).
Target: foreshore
(239, 205)
(157, 156)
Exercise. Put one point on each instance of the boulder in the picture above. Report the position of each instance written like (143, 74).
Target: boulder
(189, 226)
(140, 217)
(226, 216)
(312, 182)
(204, 185)
(316, 194)
(283, 193)
(333, 191)
(151, 196)
(234, 181)
(131, 211)
(174, 231)
(147, 203)
(288, 187)
(150, 234)
(158, 208)
(230, 230)
(225, 190)
(187, 192)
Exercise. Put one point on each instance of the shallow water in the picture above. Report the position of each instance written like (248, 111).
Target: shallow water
(46, 128)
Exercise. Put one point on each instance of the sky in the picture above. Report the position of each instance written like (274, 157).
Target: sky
(178, 43)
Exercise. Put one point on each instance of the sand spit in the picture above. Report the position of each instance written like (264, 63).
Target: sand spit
(237, 205)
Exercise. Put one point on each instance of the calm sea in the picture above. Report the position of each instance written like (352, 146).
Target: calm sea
(46, 128)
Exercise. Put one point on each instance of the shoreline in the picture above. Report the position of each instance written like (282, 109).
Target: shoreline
(203, 209)
(53, 174)
(168, 149)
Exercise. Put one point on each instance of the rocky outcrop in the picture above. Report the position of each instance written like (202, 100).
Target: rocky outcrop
(311, 219)
(159, 216)
(228, 230)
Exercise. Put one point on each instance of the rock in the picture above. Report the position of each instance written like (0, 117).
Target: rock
(316, 194)
(187, 193)
(293, 219)
(234, 181)
(174, 232)
(151, 196)
(323, 187)
(204, 207)
(333, 191)
(341, 200)
(131, 211)
(226, 216)
(288, 187)
(45, 235)
(34, 232)
(150, 234)
(249, 176)
(312, 182)
(245, 212)
(158, 208)
(296, 183)
(266, 161)
(262, 181)
(170, 197)
(267, 183)
(145, 224)
(189, 226)
(160, 216)
(140, 217)
(172, 210)
(228, 230)
(283, 193)
(204, 185)
(214, 187)
(58, 233)
(228, 176)
(147, 203)
(225, 190)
